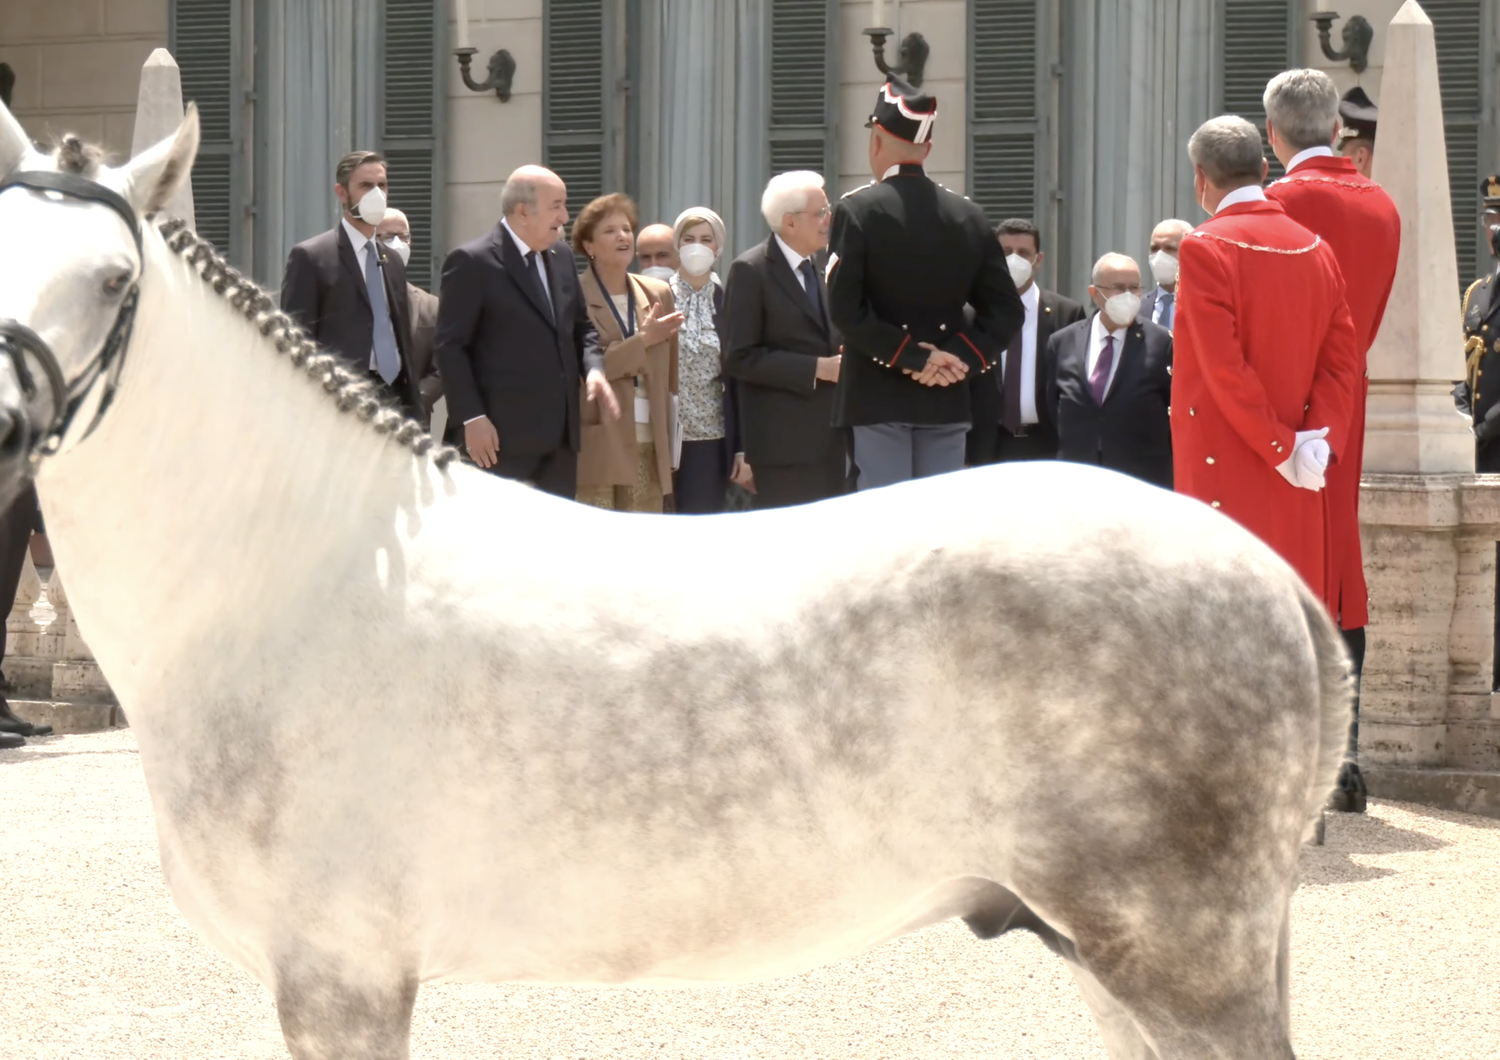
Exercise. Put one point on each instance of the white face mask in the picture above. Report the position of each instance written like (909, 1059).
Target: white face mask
(696, 258)
(1020, 270)
(1122, 308)
(1164, 267)
(401, 247)
(658, 272)
(371, 208)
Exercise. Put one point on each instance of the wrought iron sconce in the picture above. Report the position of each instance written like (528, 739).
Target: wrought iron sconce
(502, 72)
(7, 83)
(912, 56)
(1357, 34)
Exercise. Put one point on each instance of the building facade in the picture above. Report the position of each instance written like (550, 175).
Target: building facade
(1072, 112)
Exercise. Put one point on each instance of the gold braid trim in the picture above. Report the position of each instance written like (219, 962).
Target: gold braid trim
(1474, 347)
(1317, 242)
(1362, 187)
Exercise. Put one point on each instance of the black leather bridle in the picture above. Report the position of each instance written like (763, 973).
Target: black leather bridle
(21, 344)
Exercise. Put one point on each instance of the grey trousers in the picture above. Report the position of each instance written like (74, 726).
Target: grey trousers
(886, 453)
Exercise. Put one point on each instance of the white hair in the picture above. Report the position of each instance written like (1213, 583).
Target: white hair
(788, 193)
(1112, 260)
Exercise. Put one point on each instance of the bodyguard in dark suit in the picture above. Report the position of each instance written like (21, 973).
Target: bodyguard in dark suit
(513, 340)
(907, 256)
(1108, 385)
(1011, 416)
(784, 351)
(349, 292)
(394, 233)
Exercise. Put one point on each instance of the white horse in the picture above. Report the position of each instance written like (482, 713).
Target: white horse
(399, 723)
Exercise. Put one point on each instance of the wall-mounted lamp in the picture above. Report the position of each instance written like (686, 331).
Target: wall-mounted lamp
(7, 83)
(1357, 34)
(912, 57)
(502, 65)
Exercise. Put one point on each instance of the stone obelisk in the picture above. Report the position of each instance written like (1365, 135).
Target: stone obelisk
(158, 113)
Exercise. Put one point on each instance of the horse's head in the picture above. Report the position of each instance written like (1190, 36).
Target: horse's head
(69, 276)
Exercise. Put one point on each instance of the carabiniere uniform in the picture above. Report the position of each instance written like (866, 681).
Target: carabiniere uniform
(1482, 351)
(907, 255)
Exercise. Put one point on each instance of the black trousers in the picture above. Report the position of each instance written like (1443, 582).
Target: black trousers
(700, 485)
(786, 485)
(555, 472)
(17, 524)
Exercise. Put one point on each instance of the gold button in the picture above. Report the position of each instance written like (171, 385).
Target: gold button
(942, 327)
(1169, 410)
(1210, 460)
(1215, 504)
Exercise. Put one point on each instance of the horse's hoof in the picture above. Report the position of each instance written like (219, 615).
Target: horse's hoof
(1351, 795)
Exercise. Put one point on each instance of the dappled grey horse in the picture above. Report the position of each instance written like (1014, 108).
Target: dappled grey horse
(400, 723)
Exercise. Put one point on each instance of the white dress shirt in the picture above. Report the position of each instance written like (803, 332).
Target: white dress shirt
(1097, 335)
(795, 260)
(1032, 301)
(363, 245)
(1311, 152)
(1249, 193)
(541, 264)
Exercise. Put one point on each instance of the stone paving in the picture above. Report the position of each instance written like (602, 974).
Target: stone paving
(1396, 946)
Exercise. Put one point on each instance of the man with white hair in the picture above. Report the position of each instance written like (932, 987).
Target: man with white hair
(783, 349)
(1264, 356)
(908, 256)
(1159, 305)
(1354, 216)
(514, 340)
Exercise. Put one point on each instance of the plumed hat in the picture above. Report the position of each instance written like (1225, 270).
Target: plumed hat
(906, 113)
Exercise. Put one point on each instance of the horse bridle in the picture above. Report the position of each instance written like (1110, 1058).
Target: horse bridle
(18, 342)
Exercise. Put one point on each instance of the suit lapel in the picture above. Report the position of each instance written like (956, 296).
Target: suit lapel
(350, 261)
(1046, 324)
(1132, 356)
(515, 268)
(790, 281)
(602, 315)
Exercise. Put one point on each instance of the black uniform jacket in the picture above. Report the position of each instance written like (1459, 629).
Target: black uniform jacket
(906, 256)
(1479, 394)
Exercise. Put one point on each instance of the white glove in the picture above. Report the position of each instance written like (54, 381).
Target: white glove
(1305, 467)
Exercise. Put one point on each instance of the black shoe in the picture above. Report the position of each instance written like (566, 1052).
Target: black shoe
(1351, 796)
(9, 741)
(9, 723)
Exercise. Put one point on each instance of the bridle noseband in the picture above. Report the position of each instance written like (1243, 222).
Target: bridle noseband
(18, 342)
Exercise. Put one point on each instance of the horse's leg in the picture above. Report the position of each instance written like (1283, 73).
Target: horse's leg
(1122, 1038)
(337, 1009)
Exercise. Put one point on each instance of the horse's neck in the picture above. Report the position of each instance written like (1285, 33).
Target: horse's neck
(222, 482)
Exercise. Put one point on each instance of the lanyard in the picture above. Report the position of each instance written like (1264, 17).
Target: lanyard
(627, 332)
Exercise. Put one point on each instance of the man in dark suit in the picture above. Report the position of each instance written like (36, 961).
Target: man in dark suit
(1159, 305)
(514, 339)
(17, 523)
(349, 293)
(1011, 418)
(394, 234)
(907, 256)
(1109, 381)
(784, 351)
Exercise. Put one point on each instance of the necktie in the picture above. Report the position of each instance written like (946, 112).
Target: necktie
(1010, 408)
(1099, 380)
(1164, 309)
(534, 268)
(387, 357)
(810, 284)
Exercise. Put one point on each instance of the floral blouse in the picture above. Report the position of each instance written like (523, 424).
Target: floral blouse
(700, 393)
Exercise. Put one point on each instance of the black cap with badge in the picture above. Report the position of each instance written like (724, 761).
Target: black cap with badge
(1358, 115)
(904, 112)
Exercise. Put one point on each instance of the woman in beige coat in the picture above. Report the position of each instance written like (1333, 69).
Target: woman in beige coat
(627, 465)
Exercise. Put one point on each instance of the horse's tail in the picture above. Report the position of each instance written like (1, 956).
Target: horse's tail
(1335, 700)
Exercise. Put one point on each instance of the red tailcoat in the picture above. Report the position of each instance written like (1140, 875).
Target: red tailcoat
(1263, 347)
(1358, 220)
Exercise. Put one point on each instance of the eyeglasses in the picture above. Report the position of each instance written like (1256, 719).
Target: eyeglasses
(819, 214)
(391, 237)
(1121, 288)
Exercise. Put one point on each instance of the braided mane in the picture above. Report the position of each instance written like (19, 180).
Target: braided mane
(348, 391)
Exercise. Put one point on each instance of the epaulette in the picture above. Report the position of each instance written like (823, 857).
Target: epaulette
(1476, 283)
(861, 188)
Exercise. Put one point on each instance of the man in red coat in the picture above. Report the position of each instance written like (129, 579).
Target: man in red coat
(1357, 219)
(1265, 357)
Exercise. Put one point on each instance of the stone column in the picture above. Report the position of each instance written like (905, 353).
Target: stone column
(158, 113)
(1428, 729)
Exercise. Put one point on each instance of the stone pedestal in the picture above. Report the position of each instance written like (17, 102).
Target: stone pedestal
(158, 113)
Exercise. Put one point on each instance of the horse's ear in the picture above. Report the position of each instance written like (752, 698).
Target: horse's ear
(14, 143)
(153, 176)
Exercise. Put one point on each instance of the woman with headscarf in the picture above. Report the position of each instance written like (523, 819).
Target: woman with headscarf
(711, 457)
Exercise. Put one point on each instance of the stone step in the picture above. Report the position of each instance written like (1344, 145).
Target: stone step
(70, 717)
(1463, 790)
(29, 676)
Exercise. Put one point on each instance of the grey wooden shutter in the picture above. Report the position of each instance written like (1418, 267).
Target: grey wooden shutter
(1005, 115)
(204, 40)
(1460, 52)
(803, 87)
(413, 76)
(1260, 39)
(574, 140)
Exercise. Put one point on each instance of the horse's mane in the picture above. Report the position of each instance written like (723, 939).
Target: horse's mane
(345, 389)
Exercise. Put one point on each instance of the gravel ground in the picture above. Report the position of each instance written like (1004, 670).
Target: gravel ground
(1396, 945)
